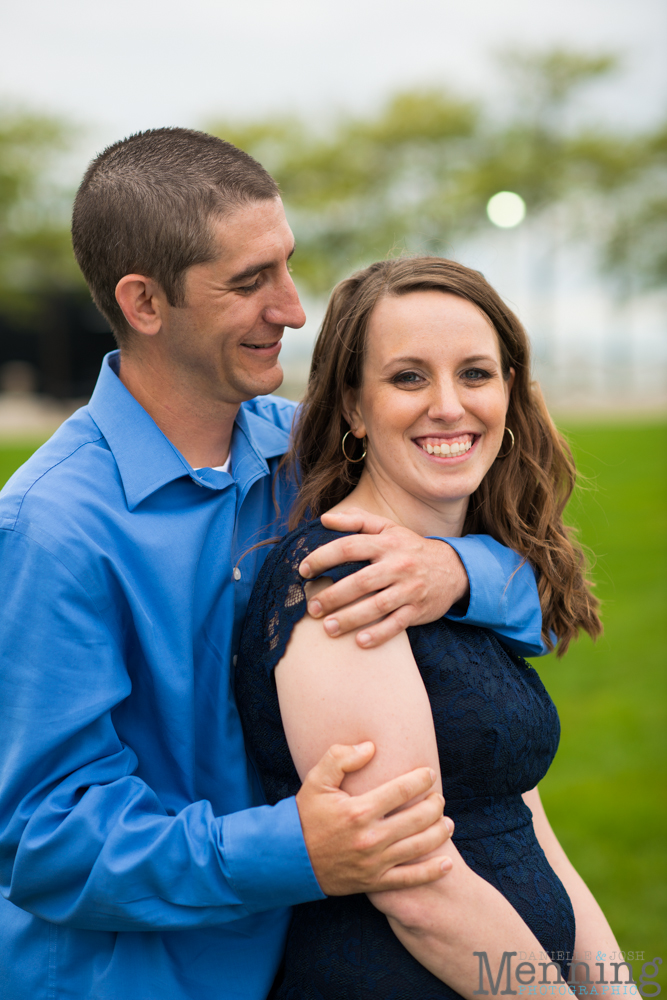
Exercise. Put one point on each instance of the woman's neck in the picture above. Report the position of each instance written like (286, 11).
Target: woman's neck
(378, 495)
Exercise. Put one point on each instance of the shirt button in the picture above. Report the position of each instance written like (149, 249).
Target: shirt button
(235, 659)
(237, 573)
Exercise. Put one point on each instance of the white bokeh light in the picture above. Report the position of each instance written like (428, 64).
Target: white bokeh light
(506, 209)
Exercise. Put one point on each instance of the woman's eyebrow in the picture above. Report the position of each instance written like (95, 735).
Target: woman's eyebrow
(407, 360)
(479, 357)
(250, 272)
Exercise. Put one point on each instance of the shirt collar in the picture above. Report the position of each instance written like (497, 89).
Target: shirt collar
(147, 460)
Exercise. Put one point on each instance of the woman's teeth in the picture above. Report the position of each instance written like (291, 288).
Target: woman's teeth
(454, 448)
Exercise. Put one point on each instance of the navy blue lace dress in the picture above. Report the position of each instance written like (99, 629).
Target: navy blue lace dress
(497, 732)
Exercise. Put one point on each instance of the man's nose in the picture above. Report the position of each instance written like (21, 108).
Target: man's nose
(286, 309)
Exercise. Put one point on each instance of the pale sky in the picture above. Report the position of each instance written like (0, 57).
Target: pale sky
(116, 66)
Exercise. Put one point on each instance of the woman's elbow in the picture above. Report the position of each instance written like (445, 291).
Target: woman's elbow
(424, 909)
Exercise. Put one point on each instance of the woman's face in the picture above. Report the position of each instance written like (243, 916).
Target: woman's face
(433, 398)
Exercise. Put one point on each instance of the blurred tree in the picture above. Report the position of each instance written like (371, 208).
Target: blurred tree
(415, 176)
(636, 245)
(365, 186)
(419, 174)
(35, 251)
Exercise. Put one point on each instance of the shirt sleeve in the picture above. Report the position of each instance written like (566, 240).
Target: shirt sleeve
(503, 593)
(84, 841)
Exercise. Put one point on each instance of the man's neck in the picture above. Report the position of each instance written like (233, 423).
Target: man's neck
(199, 428)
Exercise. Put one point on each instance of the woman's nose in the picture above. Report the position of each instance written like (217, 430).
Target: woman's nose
(445, 404)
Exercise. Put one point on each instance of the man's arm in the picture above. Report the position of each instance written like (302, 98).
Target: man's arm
(503, 593)
(84, 841)
(412, 580)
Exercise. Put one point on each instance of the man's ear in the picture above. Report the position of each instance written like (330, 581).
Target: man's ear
(142, 302)
(351, 412)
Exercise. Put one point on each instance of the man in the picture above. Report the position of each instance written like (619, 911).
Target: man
(136, 857)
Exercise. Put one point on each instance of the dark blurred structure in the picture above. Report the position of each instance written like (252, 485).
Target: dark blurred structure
(63, 341)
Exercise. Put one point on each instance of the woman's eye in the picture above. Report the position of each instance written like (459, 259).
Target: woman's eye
(476, 375)
(408, 378)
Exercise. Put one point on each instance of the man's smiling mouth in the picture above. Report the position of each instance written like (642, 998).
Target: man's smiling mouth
(263, 347)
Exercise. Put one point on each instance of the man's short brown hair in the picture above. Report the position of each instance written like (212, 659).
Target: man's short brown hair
(145, 205)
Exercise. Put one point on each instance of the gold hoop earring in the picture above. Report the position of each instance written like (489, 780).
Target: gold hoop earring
(511, 446)
(342, 445)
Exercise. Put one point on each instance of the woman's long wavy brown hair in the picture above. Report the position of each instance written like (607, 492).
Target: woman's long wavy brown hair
(521, 499)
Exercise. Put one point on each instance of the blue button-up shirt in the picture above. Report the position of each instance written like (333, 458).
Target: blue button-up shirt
(137, 859)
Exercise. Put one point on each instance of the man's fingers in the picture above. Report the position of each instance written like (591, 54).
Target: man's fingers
(398, 792)
(420, 845)
(356, 519)
(363, 583)
(357, 616)
(408, 823)
(381, 632)
(411, 876)
(351, 548)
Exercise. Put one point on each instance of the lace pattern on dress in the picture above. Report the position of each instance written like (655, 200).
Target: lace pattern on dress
(497, 731)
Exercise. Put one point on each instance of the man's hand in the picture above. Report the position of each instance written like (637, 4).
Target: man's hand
(354, 844)
(411, 580)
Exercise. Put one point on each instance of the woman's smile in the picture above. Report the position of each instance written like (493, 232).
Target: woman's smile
(453, 447)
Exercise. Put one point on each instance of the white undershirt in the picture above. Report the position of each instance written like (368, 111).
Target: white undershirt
(218, 468)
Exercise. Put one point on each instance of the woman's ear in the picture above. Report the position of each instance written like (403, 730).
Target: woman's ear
(508, 385)
(351, 412)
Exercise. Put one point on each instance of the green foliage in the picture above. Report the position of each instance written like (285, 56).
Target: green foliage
(605, 791)
(417, 176)
(35, 252)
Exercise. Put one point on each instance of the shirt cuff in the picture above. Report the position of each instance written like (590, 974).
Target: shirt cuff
(266, 857)
(503, 593)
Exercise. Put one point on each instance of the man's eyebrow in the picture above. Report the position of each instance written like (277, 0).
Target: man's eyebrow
(250, 272)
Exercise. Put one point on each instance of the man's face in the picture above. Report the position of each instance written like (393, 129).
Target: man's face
(226, 339)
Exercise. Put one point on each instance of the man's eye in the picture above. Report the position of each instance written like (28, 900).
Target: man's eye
(246, 289)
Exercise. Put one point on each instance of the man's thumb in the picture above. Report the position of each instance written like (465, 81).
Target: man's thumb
(356, 519)
(340, 760)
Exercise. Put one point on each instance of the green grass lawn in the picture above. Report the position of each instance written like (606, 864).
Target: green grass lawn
(605, 793)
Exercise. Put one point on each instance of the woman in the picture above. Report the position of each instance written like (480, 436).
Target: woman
(420, 408)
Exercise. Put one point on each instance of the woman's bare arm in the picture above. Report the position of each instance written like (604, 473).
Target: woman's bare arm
(593, 933)
(332, 691)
